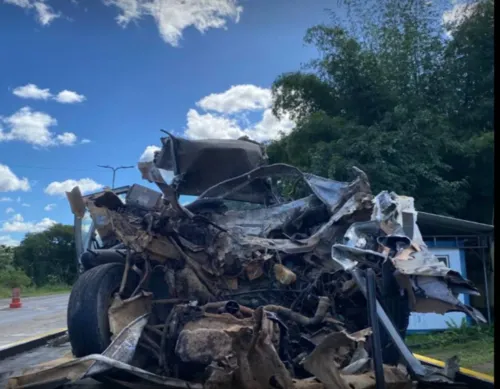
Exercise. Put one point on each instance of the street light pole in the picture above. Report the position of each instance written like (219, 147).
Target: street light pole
(114, 169)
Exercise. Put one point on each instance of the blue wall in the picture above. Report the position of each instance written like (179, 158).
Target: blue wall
(425, 322)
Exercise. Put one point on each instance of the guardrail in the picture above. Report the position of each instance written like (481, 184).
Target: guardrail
(31, 343)
(471, 378)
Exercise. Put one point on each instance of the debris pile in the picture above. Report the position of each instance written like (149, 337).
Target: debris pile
(242, 289)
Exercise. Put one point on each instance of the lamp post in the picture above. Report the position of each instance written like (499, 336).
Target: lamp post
(114, 169)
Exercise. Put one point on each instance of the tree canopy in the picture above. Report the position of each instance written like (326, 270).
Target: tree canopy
(402, 96)
(48, 257)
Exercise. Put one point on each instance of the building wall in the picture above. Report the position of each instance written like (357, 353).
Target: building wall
(423, 322)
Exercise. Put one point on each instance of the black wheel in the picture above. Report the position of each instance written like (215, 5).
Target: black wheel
(90, 298)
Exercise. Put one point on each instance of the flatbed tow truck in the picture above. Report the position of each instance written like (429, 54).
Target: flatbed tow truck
(343, 326)
(55, 345)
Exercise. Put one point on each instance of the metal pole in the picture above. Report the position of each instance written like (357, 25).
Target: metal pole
(114, 169)
(371, 298)
(413, 365)
(486, 288)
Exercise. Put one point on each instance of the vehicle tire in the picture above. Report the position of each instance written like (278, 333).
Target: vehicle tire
(90, 298)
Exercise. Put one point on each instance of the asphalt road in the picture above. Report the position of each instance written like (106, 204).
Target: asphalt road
(37, 316)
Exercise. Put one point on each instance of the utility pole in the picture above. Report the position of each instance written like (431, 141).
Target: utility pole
(114, 169)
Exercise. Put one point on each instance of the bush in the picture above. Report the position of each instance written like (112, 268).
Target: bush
(14, 278)
(455, 334)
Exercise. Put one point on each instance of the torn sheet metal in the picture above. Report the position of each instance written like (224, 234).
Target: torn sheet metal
(341, 361)
(118, 353)
(324, 362)
(200, 164)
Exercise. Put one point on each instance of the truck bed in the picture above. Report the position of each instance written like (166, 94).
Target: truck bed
(14, 365)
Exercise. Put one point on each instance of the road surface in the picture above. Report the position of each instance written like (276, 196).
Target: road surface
(37, 316)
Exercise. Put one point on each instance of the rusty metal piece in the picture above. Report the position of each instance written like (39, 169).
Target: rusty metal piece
(125, 273)
(324, 361)
(284, 275)
(76, 202)
(122, 312)
(323, 305)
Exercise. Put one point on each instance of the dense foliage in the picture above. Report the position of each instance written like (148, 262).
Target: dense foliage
(42, 258)
(404, 97)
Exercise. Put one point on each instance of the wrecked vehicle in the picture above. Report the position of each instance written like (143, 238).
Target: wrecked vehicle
(244, 289)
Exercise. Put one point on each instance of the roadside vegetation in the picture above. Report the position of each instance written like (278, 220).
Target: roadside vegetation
(405, 93)
(474, 345)
(44, 263)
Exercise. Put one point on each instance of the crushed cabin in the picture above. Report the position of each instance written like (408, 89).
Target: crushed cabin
(244, 287)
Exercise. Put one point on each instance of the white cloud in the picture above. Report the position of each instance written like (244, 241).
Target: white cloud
(25, 205)
(19, 3)
(457, 14)
(5, 199)
(211, 126)
(44, 12)
(207, 125)
(17, 218)
(10, 210)
(148, 154)
(69, 97)
(33, 127)
(31, 91)
(237, 98)
(66, 138)
(85, 141)
(57, 188)
(230, 108)
(9, 182)
(173, 16)
(49, 207)
(7, 240)
(270, 127)
(17, 224)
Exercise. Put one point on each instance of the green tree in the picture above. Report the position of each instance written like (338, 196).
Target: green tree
(6, 257)
(469, 71)
(48, 256)
(10, 277)
(389, 98)
(14, 278)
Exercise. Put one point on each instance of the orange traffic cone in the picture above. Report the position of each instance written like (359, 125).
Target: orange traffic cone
(16, 298)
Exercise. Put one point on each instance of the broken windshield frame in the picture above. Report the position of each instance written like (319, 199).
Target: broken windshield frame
(84, 228)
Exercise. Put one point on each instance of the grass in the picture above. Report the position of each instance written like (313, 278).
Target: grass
(472, 344)
(32, 291)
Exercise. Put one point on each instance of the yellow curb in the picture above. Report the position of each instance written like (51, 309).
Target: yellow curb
(463, 370)
(37, 337)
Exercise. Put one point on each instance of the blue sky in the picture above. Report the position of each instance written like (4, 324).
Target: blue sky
(92, 82)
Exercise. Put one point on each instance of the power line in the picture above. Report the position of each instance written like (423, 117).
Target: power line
(53, 168)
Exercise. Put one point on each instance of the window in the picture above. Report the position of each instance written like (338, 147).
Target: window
(87, 227)
(445, 259)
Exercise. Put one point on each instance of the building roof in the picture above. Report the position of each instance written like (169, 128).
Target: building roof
(432, 224)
